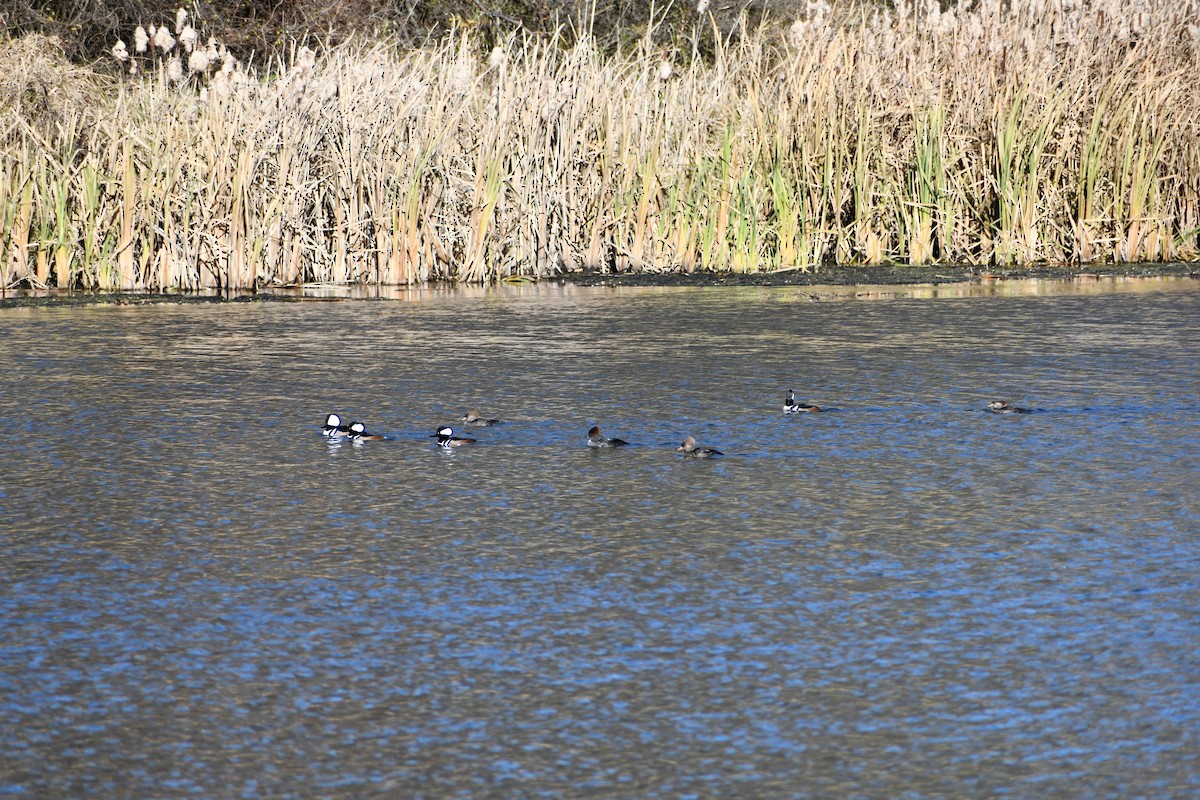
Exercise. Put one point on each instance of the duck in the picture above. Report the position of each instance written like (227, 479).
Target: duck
(334, 427)
(690, 448)
(596, 439)
(1004, 407)
(446, 438)
(477, 420)
(790, 406)
(358, 433)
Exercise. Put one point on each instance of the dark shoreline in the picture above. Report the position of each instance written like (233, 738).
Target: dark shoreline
(827, 276)
(888, 275)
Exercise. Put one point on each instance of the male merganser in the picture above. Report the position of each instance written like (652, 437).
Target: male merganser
(446, 438)
(1003, 407)
(358, 433)
(595, 439)
(473, 418)
(689, 448)
(790, 406)
(334, 428)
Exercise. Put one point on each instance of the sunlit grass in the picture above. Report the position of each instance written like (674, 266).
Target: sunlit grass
(1048, 132)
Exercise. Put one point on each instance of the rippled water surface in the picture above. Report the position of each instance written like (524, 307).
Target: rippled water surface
(903, 597)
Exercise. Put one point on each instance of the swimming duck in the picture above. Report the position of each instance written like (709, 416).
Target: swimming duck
(689, 448)
(358, 433)
(790, 406)
(595, 439)
(334, 428)
(475, 419)
(1003, 407)
(446, 438)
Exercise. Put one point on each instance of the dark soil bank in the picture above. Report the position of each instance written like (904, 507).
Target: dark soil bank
(826, 276)
(885, 275)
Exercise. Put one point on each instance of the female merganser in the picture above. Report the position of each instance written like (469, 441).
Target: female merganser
(446, 438)
(596, 440)
(473, 418)
(1003, 407)
(689, 448)
(358, 433)
(790, 406)
(334, 428)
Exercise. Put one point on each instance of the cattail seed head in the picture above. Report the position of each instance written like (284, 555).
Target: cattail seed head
(818, 13)
(119, 52)
(949, 23)
(198, 61)
(306, 59)
(140, 39)
(222, 84)
(174, 69)
(498, 57)
(975, 28)
(163, 39)
(180, 18)
(796, 32)
(187, 38)
(461, 75)
(297, 83)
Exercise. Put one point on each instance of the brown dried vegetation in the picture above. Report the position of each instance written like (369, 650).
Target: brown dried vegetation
(1015, 133)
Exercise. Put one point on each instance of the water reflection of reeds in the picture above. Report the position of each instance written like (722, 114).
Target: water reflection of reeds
(1028, 287)
(1008, 134)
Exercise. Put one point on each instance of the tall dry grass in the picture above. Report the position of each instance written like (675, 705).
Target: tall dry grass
(1020, 132)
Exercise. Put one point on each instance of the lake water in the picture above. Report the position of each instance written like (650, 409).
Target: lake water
(903, 597)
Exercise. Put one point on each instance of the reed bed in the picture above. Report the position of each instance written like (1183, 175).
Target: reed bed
(1019, 132)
